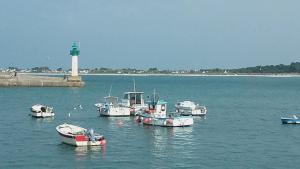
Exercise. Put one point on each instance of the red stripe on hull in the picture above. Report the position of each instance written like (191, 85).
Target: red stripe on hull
(81, 138)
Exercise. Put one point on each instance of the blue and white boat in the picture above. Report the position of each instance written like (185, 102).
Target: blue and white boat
(156, 114)
(290, 120)
(169, 121)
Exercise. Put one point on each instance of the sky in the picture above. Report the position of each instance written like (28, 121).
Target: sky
(167, 34)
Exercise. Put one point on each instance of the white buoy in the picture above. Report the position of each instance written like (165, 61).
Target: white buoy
(69, 114)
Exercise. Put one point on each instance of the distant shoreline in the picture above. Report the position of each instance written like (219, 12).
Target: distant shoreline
(179, 75)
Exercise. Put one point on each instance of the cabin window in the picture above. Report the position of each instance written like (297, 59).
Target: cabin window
(135, 98)
(138, 99)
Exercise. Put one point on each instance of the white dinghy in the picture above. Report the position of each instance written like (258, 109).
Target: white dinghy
(78, 136)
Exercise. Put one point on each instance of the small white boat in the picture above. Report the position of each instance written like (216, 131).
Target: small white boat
(112, 108)
(290, 120)
(78, 136)
(41, 111)
(187, 108)
(170, 121)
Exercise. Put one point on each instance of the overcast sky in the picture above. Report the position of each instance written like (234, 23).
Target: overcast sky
(167, 34)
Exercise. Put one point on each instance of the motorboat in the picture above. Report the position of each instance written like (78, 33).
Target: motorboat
(78, 136)
(190, 108)
(169, 121)
(111, 107)
(156, 114)
(155, 110)
(290, 120)
(41, 111)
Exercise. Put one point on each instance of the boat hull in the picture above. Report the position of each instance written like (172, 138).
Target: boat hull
(115, 112)
(290, 121)
(197, 112)
(42, 114)
(169, 122)
(74, 142)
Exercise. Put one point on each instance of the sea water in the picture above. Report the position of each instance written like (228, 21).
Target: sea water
(242, 128)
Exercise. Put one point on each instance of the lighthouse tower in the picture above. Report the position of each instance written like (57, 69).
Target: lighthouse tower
(74, 52)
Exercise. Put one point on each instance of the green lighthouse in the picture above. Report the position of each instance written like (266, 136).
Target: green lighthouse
(74, 52)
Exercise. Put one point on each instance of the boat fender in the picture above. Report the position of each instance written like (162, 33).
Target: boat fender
(170, 121)
(102, 141)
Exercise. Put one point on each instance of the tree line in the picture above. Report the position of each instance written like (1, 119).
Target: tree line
(294, 67)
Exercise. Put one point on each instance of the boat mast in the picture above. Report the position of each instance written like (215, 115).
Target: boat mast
(154, 104)
(110, 90)
(134, 85)
(134, 92)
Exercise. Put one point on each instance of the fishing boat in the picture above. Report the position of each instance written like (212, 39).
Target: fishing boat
(187, 108)
(41, 111)
(155, 110)
(78, 136)
(111, 107)
(290, 120)
(134, 100)
(156, 114)
(169, 121)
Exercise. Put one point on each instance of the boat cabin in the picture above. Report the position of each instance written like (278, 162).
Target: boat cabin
(111, 101)
(158, 108)
(132, 99)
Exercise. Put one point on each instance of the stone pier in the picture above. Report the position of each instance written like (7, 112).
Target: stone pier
(16, 79)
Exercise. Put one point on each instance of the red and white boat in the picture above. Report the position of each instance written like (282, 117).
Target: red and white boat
(78, 136)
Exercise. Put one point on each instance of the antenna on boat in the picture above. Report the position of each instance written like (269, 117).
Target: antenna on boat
(134, 85)
(110, 90)
(154, 96)
(134, 91)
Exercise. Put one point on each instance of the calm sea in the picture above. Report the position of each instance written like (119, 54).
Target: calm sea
(241, 130)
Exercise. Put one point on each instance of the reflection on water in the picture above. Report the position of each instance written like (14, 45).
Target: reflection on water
(161, 133)
(86, 152)
(44, 120)
(167, 139)
(83, 153)
(118, 122)
(197, 119)
(114, 119)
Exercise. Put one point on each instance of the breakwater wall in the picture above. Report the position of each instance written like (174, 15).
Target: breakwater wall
(15, 79)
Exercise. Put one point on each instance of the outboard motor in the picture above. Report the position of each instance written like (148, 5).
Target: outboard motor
(91, 135)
